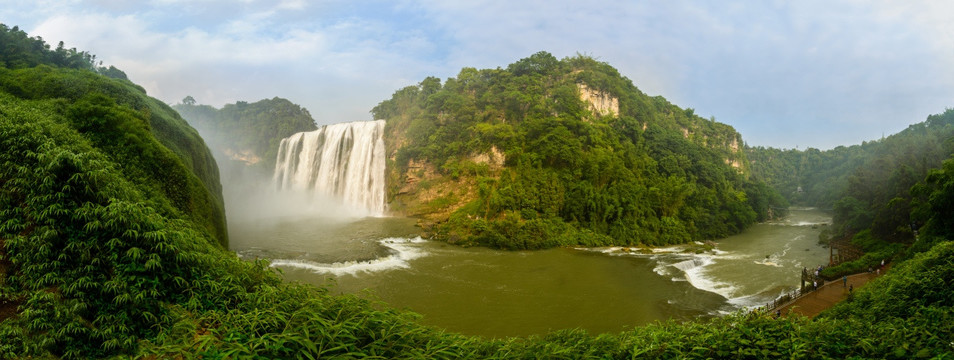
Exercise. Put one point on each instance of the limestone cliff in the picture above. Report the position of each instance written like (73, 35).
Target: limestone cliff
(558, 152)
(602, 103)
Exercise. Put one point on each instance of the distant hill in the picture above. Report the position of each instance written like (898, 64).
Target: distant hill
(866, 185)
(109, 248)
(551, 152)
(248, 132)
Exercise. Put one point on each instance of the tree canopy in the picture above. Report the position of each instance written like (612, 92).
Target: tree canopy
(647, 172)
(103, 256)
(867, 185)
(257, 127)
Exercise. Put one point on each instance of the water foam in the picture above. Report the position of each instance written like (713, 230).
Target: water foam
(402, 250)
(344, 161)
(697, 277)
(674, 263)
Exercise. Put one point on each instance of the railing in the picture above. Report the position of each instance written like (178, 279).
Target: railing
(846, 251)
(810, 283)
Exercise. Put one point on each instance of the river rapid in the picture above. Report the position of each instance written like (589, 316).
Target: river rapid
(494, 293)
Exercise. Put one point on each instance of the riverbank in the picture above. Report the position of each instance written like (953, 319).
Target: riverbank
(496, 293)
(829, 294)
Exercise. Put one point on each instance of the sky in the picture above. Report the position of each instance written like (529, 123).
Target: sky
(785, 74)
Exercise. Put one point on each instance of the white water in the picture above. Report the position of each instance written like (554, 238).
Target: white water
(401, 249)
(343, 161)
(747, 269)
(518, 293)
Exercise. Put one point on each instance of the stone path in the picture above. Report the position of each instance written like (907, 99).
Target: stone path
(828, 295)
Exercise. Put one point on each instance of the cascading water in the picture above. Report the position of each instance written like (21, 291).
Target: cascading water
(343, 161)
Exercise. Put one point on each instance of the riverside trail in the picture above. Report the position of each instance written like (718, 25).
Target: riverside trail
(828, 295)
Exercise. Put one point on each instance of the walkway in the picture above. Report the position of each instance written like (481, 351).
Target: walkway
(828, 295)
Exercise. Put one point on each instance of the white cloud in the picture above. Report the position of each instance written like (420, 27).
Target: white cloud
(765, 67)
(333, 71)
(292, 4)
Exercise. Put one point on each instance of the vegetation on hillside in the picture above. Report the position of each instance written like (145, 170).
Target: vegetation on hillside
(248, 130)
(646, 172)
(106, 246)
(153, 146)
(878, 191)
(97, 259)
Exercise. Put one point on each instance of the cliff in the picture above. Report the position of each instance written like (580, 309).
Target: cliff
(554, 152)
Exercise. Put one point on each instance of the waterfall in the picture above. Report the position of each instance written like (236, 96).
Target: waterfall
(343, 161)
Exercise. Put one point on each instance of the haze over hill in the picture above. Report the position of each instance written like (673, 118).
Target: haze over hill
(546, 152)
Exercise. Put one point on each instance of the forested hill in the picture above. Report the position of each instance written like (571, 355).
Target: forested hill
(150, 143)
(867, 185)
(549, 152)
(248, 132)
(99, 259)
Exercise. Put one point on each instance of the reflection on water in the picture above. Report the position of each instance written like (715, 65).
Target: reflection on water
(516, 293)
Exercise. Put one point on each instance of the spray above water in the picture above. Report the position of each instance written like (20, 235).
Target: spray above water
(344, 161)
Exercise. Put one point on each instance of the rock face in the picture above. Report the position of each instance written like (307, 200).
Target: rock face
(246, 156)
(601, 102)
(734, 148)
(724, 142)
(495, 159)
(430, 196)
(550, 152)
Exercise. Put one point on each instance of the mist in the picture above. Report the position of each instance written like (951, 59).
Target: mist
(252, 197)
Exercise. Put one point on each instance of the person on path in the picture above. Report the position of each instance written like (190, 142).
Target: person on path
(844, 280)
(815, 285)
(851, 288)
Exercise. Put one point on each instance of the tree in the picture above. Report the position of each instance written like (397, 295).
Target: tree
(188, 100)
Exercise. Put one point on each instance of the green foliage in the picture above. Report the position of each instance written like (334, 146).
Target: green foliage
(258, 127)
(875, 250)
(940, 201)
(19, 50)
(880, 192)
(650, 174)
(918, 287)
(101, 264)
(93, 258)
(867, 185)
(156, 147)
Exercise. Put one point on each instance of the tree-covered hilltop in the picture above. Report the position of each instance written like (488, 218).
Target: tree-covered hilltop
(825, 176)
(248, 132)
(22, 51)
(97, 263)
(876, 190)
(104, 194)
(551, 152)
(156, 148)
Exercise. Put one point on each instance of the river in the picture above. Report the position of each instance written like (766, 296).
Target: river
(494, 293)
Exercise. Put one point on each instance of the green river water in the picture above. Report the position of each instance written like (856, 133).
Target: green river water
(495, 293)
